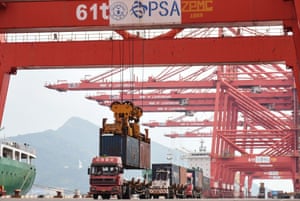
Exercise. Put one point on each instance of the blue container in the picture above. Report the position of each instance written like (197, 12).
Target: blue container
(128, 148)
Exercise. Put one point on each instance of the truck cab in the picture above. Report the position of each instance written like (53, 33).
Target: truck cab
(161, 179)
(165, 178)
(160, 183)
(106, 177)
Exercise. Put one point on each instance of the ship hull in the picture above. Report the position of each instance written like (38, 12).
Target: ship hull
(16, 175)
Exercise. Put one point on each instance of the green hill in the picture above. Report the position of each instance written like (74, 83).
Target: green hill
(63, 155)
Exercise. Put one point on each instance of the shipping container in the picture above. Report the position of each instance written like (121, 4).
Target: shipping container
(206, 183)
(182, 175)
(199, 179)
(145, 155)
(128, 148)
(173, 169)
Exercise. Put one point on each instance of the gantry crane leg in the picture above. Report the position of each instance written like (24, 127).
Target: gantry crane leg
(294, 27)
(4, 83)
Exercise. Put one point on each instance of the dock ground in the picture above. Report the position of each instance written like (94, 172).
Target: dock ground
(91, 199)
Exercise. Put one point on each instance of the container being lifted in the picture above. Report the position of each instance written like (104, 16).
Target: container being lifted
(123, 137)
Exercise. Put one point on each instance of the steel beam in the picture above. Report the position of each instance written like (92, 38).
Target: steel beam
(78, 15)
(148, 52)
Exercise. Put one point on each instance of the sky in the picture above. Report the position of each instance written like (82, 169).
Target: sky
(31, 107)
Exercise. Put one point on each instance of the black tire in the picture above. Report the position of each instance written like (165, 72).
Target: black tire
(95, 196)
(127, 194)
(105, 197)
(120, 196)
(147, 195)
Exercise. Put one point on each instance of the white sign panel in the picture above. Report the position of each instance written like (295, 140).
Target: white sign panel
(139, 12)
(262, 159)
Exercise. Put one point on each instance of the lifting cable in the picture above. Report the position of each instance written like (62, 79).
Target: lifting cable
(112, 60)
(122, 55)
(132, 80)
(143, 69)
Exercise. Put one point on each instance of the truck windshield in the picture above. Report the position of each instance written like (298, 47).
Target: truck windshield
(104, 170)
(162, 175)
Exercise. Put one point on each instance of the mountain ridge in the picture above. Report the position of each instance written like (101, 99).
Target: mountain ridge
(64, 154)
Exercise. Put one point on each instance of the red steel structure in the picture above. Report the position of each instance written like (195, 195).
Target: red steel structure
(271, 141)
(246, 136)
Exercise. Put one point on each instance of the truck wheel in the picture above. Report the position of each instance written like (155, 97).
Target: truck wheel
(147, 195)
(120, 196)
(105, 197)
(95, 196)
(170, 195)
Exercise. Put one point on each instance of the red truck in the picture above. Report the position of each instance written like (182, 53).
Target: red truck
(106, 178)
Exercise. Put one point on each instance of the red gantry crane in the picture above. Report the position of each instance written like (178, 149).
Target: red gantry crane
(257, 94)
(250, 79)
(269, 142)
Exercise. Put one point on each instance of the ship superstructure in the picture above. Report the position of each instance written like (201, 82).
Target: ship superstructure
(17, 171)
(199, 159)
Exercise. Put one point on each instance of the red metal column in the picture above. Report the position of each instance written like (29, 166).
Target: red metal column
(250, 182)
(242, 182)
(5, 72)
(4, 83)
(294, 26)
(297, 8)
(214, 183)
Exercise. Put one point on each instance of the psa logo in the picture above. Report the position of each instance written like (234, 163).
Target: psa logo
(118, 10)
(162, 8)
(138, 9)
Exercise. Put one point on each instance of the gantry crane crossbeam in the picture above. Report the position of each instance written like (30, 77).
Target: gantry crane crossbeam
(80, 15)
(154, 84)
(275, 103)
(191, 135)
(174, 95)
(149, 52)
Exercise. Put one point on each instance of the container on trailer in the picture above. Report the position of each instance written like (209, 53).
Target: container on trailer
(182, 175)
(205, 183)
(126, 147)
(197, 177)
(173, 169)
(145, 155)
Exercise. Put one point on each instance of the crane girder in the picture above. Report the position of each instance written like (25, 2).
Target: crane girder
(71, 15)
(245, 166)
(271, 175)
(173, 95)
(192, 135)
(276, 104)
(201, 84)
(149, 52)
